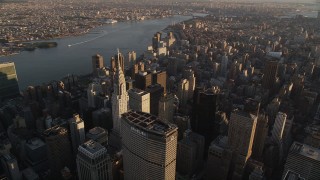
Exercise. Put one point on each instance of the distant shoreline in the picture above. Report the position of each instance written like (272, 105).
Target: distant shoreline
(75, 34)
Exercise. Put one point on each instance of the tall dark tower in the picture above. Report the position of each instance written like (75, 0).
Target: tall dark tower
(270, 74)
(97, 63)
(205, 106)
(59, 149)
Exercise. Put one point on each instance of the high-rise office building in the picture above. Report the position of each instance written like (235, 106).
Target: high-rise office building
(10, 166)
(136, 68)
(156, 92)
(257, 174)
(8, 80)
(242, 126)
(143, 80)
(166, 108)
(190, 153)
(59, 149)
(102, 118)
(298, 81)
(189, 74)
(183, 123)
(149, 147)
(139, 100)
(93, 92)
(219, 159)
(224, 65)
(270, 74)
(77, 131)
(36, 153)
(93, 162)
(97, 63)
(260, 136)
(170, 39)
(120, 96)
(278, 127)
(160, 77)
(183, 92)
(155, 40)
(98, 134)
(205, 106)
(132, 57)
(303, 160)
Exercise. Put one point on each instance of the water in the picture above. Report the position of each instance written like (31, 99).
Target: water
(73, 54)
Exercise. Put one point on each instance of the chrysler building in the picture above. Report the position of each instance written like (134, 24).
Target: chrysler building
(120, 96)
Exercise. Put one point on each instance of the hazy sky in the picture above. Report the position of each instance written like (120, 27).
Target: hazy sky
(294, 1)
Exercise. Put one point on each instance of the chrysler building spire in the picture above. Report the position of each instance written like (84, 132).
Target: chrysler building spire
(120, 96)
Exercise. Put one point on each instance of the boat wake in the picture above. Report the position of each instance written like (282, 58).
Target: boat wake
(83, 42)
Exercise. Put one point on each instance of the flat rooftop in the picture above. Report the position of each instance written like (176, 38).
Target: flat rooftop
(91, 147)
(97, 132)
(220, 143)
(305, 150)
(148, 123)
(243, 114)
(137, 91)
(35, 143)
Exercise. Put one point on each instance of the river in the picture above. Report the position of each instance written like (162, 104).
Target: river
(43, 65)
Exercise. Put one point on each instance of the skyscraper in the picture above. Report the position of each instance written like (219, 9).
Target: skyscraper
(270, 74)
(183, 92)
(99, 135)
(93, 91)
(278, 127)
(219, 159)
(189, 74)
(10, 166)
(59, 149)
(149, 147)
(241, 133)
(120, 96)
(190, 153)
(257, 174)
(143, 80)
(160, 77)
(139, 100)
(9, 81)
(205, 106)
(260, 136)
(93, 162)
(303, 160)
(166, 108)
(156, 91)
(77, 131)
(132, 56)
(224, 65)
(97, 63)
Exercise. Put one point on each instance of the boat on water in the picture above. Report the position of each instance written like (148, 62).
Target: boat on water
(104, 33)
(111, 21)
